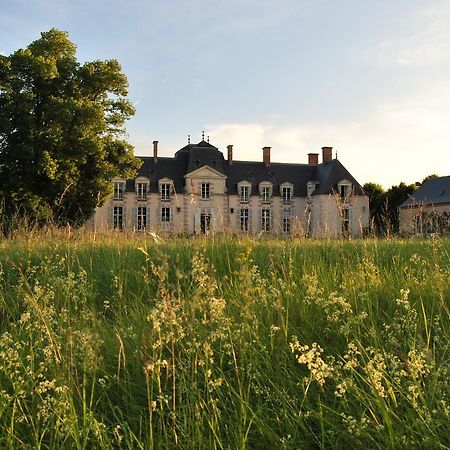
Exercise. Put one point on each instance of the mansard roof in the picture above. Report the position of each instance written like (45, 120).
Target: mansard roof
(193, 156)
(434, 191)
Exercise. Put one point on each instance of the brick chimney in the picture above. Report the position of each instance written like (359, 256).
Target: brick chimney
(266, 156)
(327, 154)
(313, 159)
(155, 151)
(230, 154)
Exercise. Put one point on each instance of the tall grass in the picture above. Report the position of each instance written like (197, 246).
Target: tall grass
(227, 343)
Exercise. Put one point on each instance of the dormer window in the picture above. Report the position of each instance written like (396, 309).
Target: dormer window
(142, 189)
(310, 188)
(165, 190)
(205, 191)
(119, 189)
(244, 192)
(286, 191)
(265, 189)
(244, 188)
(344, 189)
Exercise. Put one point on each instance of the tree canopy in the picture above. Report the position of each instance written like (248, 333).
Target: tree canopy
(62, 131)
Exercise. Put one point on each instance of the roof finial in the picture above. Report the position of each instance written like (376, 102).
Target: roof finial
(189, 139)
(203, 135)
(207, 139)
(336, 154)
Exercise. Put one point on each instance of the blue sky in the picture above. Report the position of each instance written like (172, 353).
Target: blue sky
(370, 78)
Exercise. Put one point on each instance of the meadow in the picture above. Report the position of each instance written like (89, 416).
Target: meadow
(223, 343)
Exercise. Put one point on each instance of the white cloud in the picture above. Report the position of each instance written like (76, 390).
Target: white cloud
(403, 140)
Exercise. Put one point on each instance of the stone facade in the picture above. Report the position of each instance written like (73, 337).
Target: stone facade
(198, 191)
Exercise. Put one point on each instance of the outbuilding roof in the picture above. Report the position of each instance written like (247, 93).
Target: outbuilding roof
(434, 191)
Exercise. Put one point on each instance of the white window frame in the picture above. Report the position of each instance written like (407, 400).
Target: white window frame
(165, 189)
(142, 189)
(118, 190)
(205, 190)
(266, 191)
(345, 220)
(266, 219)
(286, 221)
(142, 218)
(244, 220)
(118, 217)
(286, 188)
(244, 193)
(310, 188)
(164, 217)
(344, 189)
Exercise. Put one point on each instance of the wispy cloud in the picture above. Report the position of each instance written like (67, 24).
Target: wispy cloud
(424, 39)
(389, 137)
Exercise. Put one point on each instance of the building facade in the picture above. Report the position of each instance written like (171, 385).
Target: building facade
(427, 211)
(198, 191)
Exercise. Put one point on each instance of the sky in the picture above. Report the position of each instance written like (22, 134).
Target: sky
(369, 78)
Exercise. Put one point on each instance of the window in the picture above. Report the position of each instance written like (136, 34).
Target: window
(244, 219)
(141, 218)
(244, 192)
(166, 189)
(119, 188)
(286, 194)
(165, 215)
(205, 191)
(118, 217)
(286, 221)
(345, 220)
(310, 188)
(141, 191)
(266, 194)
(344, 190)
(205, 222)
(266, 222)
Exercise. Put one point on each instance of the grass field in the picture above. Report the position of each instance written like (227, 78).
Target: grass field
(121, 342)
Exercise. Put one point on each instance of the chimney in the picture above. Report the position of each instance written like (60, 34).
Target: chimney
(313, 159)
(230, 154)
(155, 151)
(266, 156)
(327, 154)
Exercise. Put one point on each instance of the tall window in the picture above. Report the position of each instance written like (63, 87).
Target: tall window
(266, 194)
(266, 224)
(119, 188)
(244, 193)
(286, 221)
(286, 194)
(141, 191)
(141, 218)
(205, 222)
(205, 191)
(118, 217)
(244, 219)
(165, 215)
(165, 191)
(345, 220)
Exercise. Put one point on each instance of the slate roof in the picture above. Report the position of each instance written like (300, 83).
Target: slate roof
(194, 156)
(434, 191)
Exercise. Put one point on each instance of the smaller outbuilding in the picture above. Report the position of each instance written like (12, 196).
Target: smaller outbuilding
(427, 211)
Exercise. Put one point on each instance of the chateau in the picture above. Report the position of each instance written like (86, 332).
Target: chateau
(198, 191)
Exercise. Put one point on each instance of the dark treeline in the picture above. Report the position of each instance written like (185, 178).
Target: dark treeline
(384, 204)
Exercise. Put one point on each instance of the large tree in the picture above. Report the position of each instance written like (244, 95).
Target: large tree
(62, 131)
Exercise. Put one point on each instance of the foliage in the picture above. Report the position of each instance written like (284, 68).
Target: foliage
(384, 213)
(61, 131)
(200, 344)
